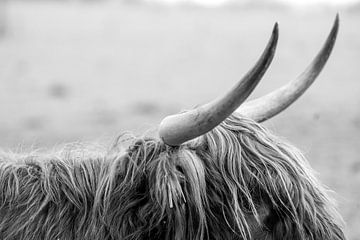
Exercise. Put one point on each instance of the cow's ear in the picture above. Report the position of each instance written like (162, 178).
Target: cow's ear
(259, 226)
(271, 219)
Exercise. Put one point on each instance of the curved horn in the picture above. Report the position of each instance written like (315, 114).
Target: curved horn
(273, 103)
(177, 129)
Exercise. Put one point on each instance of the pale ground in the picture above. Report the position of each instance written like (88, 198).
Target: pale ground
(73, 72)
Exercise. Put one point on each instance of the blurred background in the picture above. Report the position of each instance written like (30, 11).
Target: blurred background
(88, 70)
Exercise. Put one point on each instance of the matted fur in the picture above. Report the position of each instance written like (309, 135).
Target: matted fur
(235, 182)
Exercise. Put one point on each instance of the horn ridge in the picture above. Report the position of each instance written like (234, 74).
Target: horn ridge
(275, 102)
(177, 129)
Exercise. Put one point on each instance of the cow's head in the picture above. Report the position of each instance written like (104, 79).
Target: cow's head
(216, 174)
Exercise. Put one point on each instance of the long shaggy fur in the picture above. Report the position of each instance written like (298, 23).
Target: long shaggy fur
(235, 182)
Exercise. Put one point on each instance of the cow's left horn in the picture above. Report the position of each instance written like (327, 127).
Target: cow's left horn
(177, 129)
(265, 107)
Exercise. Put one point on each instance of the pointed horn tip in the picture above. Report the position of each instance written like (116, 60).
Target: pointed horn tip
(275, 29)
(337, 18)
(334, 30)
(336, 22)
(276, 26)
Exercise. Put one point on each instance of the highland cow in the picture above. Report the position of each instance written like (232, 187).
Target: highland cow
(211, 174)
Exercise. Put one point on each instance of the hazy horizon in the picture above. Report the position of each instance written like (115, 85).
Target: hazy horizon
(300, 3)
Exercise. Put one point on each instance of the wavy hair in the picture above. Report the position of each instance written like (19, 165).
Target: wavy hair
(236, 182)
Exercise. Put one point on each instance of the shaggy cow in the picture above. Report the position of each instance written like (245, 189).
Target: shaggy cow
(212, 174)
